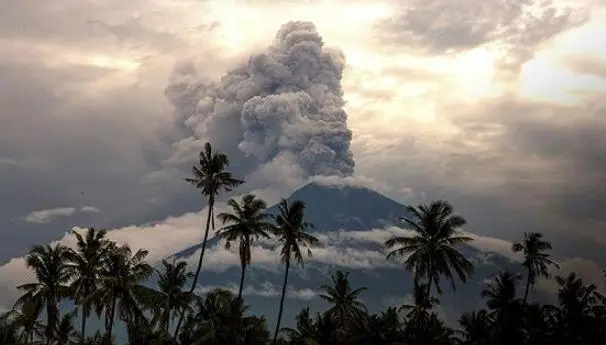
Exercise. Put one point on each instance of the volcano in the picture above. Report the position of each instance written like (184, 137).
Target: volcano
(352, 222)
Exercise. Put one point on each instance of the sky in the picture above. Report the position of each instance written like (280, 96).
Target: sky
(494, 105)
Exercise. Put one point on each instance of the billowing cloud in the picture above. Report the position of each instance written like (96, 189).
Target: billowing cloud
(284, 104)
(513, 27)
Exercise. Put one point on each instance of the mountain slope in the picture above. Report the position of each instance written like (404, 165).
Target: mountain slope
(348, 220)
(331, 208)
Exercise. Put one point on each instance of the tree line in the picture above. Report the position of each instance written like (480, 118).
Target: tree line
(103, 277)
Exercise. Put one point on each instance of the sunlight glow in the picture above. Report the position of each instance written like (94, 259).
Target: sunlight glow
(550, 76)
(546, 80)
(475, 71)
(104, 61)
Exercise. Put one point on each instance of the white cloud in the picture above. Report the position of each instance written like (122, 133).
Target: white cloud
(8, 161)
(265, 289)
(339, 248)
(89, 209)
(493, 244)
(351, 181)
(379, 236)
(46, 216)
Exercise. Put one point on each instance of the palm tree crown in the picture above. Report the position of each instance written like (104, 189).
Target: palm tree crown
(535, 259)
(52, 274)
(172, 299)
(247, 223)
(86, 263)
(291, 230)
(432, 251)
(346, 304)
(121, 292)
(210, 178)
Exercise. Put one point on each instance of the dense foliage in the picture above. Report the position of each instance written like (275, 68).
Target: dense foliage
(102, 277)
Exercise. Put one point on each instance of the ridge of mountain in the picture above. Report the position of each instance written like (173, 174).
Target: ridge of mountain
(335, 207)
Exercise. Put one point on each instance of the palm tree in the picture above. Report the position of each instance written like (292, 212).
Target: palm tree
(346, 305)
(475, 328)
(418, 310)
(501, 291)
(506, 308)
(578, 306)
(52, 273)
(86, 263)
(538, 323)
(121, 289)
(211, 178)
(65, 330)
(432, 251)
(219, 319)
(291, 230)
(304, 331)
(535, 258)
(25, 320)
(171, 281)
(246, 224)
(383, 329)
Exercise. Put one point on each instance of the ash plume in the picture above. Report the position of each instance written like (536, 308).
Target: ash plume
(284, 104)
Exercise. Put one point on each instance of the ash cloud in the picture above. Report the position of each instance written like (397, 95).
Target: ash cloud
(284, 104)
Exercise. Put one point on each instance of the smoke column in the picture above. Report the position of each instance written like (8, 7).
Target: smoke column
(284, 104)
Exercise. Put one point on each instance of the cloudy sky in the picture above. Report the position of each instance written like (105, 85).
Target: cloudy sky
(497, 106)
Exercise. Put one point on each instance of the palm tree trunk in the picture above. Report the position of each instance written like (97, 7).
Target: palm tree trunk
(211, 203)
(242, 281)
(111, 319)
(527, 286)
(430, 273)
(281, 302)
(167, 319)
(49, 322)
(83, 325)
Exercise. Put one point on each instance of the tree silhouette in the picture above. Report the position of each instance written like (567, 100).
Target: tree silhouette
(172, 300)
(246, 224)
(535, 258)
(346, 305)
(86, 264)
(506, 309)
(210, 178)
(121, 293)
(291, 230)
(52, 274)
(432, 250)
(21, 324)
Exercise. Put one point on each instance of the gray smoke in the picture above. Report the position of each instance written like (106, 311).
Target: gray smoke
(285, 103)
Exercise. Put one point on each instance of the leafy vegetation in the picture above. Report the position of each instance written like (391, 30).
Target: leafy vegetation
(101, 276)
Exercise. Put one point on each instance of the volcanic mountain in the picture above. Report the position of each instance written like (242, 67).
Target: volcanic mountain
(352, 224)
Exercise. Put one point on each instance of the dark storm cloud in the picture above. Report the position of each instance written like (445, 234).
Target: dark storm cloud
(515, 166)
(442, 26)
(76, 134)
(284, 103)
(65, 149)
(569, 142)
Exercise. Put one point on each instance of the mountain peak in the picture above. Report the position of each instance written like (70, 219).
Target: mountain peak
(334, 207)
